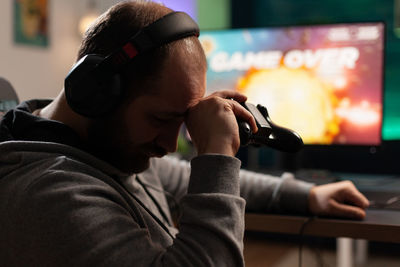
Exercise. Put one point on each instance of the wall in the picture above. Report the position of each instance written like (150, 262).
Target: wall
(214, 14)
(38, 72)
(209, 14)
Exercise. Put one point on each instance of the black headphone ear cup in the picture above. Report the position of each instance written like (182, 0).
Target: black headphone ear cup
(90, 91)
(107, 96)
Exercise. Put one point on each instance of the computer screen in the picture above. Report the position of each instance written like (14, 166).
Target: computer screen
(323, 81)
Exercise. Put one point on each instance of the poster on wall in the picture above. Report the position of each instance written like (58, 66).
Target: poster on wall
(31, 22)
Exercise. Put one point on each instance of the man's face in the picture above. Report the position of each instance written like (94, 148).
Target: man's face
(149, 125)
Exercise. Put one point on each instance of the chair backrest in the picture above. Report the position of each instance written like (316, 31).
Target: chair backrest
(8, 96)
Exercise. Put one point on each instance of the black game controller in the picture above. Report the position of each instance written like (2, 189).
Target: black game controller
(268, 134)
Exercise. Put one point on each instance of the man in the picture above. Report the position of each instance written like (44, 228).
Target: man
(82, 191)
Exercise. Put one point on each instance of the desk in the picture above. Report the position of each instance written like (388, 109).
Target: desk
(379, 225)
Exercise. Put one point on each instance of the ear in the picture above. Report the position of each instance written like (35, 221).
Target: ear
(90, 90)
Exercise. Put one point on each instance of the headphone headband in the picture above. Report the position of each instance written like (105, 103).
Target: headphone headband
(93, 86)
(171, 27)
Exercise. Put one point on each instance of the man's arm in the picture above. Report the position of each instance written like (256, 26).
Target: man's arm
(262, 192)
(174, 175)
(265, 193)
(75, 216)
(268, 193)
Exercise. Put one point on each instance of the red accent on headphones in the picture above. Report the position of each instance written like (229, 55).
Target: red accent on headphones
(130, 50)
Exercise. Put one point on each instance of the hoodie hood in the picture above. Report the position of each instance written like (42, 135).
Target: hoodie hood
(19, 124)
(26, 139)
(17, 155)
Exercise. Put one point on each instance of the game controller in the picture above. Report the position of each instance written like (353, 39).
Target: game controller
(268, 134)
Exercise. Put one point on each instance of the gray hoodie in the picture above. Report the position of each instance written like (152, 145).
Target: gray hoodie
(61, 206)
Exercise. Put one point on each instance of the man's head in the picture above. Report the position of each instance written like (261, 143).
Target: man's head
(114, 28)
(160, 86)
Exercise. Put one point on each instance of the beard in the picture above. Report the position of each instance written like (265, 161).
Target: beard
(108, 140)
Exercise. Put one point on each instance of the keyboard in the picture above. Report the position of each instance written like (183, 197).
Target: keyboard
(316, 176)
(383, 200)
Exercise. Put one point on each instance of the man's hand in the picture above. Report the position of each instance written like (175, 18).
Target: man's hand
(212, 123)
(341, 199)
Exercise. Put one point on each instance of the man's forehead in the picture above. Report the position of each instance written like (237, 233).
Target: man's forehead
(182, 85)
(181, 82)
(173, 106)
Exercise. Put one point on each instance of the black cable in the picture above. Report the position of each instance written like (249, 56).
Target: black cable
(176, 205)
(160, 210)
(319, 258)
(147, 209)
(301, 233)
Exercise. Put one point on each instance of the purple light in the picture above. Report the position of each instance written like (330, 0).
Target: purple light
(188, 6)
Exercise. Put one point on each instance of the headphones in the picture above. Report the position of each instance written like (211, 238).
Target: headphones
(93, 87)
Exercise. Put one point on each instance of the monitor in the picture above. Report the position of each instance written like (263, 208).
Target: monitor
(323, 81)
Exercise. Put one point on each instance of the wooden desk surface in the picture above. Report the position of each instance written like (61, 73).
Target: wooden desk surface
(379, 225)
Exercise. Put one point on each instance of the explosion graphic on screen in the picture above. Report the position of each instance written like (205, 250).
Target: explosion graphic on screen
(294, 90)
(316, 107)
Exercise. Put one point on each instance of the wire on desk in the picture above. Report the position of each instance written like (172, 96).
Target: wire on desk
(301, 233)
(318, 255)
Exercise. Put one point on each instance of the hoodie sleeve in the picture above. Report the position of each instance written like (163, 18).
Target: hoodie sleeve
(174, 175)
(74, 215)
(267, 193)
(213, 211)
(262, 192)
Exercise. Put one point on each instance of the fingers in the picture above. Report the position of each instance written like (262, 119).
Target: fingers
(238, 109)
(212, 124)
(244, 114)
(231, 94)
(354, 197)
(348, 193)
(347, 211)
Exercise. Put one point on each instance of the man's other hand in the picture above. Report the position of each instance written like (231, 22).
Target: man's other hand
(341, 199)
